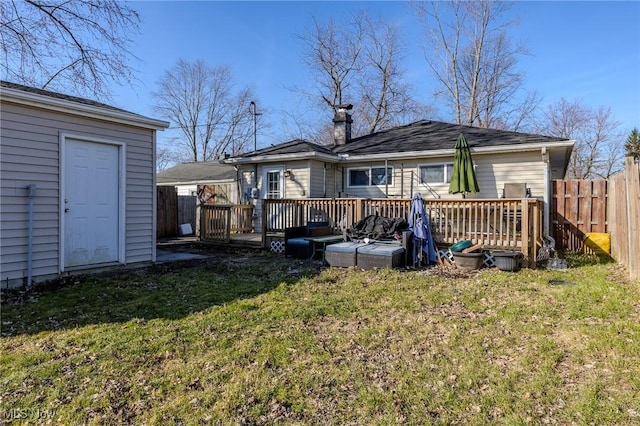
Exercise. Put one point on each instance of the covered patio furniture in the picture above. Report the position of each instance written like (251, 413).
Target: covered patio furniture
(296, 239)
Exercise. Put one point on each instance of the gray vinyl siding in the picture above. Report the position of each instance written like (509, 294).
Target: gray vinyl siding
(298, 185)
(319, 183)
(331, 191)
(30, 150)
(515, 168)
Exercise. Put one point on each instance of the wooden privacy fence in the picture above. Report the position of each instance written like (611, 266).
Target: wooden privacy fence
(187, 210)
(500, 223)
(578, 207)
(624, 217)
(219, 221)
(173, 210)
(166, 211)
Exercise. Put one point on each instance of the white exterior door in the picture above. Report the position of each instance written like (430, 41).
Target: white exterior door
(274, 182)
(273, 189)
(91, 204)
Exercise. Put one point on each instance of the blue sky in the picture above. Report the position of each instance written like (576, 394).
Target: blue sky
(586, 51)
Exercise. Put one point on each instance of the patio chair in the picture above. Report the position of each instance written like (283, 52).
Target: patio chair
(515, 190)
(296, 243)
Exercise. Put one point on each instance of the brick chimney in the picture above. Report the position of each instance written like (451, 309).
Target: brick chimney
(342, 125)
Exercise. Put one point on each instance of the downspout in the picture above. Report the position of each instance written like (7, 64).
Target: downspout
(255, 175)
(324, 182)
(240, 196)
(411, 187)
(31, 193)
(255, 194)
(386, 179)
(401, 180)
(254, 198)
(547, 198)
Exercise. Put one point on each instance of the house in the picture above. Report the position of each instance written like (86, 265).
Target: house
(401, 161)
(77, 185)
(206, 179)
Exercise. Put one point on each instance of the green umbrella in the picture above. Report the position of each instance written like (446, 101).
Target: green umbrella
(463, 176)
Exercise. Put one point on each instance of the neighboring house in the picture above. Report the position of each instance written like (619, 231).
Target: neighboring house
(401, 161)
(210, 179)
(77, 182)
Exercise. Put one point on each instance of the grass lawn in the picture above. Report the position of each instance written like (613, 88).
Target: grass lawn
(246, 342)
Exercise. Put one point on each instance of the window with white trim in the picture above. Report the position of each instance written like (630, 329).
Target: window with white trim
(435, 173)
(370, 176)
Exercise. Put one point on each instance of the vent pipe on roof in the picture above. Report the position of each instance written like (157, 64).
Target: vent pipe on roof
(342, 124)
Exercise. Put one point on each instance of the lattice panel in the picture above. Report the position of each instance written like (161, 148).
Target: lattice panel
(446, 254)
(277, 246)
(489, 261)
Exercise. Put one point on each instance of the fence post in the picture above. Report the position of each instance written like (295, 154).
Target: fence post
(359, 210)
(536, 232)
(264, 222)
(524, 230)
(200, 223)
(198, 218)
(228, 227)
(632, 179)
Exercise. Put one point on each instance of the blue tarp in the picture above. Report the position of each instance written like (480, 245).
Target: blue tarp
(423, 244)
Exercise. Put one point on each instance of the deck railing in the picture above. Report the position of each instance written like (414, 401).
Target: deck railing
(497, 223)
(219, 221)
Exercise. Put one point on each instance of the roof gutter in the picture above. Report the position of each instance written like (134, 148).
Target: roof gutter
(450, 152)
(194, 182)
(69, 107)
(346, 157)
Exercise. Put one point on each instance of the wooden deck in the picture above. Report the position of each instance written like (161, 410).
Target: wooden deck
(505, 223)
(510, 224)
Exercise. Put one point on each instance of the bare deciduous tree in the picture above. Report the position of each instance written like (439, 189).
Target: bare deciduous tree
(385, 95)
(332, 54)
(358, 61)
(201, 102)
(597, 152)
(475, 62)
(164, 158)
(238, 136)
(77, 46)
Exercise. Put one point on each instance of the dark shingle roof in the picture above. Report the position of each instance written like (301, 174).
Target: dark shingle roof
(297, 146)
(435, 135)
(421, 136)
(77, 105)
(197, 172)
(61, 96)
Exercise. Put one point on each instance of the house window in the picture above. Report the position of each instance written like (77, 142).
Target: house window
(371, 176)
(273, 183)
(436, 173)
